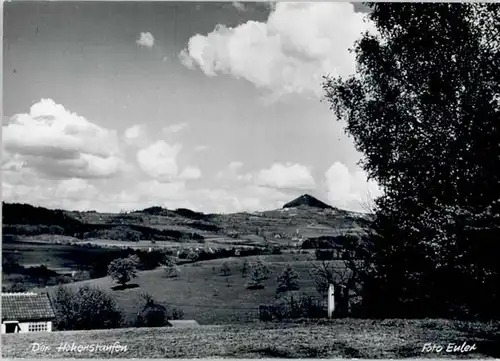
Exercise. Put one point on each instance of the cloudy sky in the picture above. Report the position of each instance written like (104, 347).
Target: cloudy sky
(212, 106)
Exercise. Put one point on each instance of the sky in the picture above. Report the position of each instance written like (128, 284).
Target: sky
(216, 107)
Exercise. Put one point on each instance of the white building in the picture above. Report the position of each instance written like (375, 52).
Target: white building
(182, 323)
(26, 312)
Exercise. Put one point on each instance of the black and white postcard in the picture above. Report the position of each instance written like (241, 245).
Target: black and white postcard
(250, 180)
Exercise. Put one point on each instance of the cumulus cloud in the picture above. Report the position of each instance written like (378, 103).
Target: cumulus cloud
(210, 200)
(107, 196)
(12, 162)
(159, 160)
(289, 53)
(71, 194)
(134, 132)
(350, 191)
(186, 59)
(174, 128)
(232, 173)
(190, 173)
(27, 186)
(286, 176)
(85, 166)
(59, 143)
(136, 136)
(146, 39)
(72, 189)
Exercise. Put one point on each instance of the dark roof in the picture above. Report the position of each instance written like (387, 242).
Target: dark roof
(26, 307)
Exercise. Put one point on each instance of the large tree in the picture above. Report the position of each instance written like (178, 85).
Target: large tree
(122, 270)
(424, 108)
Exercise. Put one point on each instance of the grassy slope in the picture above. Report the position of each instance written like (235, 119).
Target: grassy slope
(339, 338)
(205, 296)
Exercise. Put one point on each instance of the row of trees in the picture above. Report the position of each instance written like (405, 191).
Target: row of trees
(123, 270)
(257, 272)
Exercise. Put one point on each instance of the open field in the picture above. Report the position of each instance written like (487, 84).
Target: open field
(346, 338)
(54, 256)
(202, 293)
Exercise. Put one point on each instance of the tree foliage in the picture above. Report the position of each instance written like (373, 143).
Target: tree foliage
(262, 267)
(258, 273)
(288, 280)
(170, 268)
(122, 270)
(423, 108)
(87, 308)
(152, 313)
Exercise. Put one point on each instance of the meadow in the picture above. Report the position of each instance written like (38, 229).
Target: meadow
(343, 338)
(203, 293)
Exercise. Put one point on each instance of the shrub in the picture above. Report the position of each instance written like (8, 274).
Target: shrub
(152, 314)
(81, 276)
(264, 269)
(293, 306)
(258, 273)
(170, 268)
(288, 280)
(265, 313)
(86, 309)
(176, 314)
(284, 309)
(15, 287)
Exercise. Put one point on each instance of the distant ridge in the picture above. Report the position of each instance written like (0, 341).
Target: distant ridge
(307, 200)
